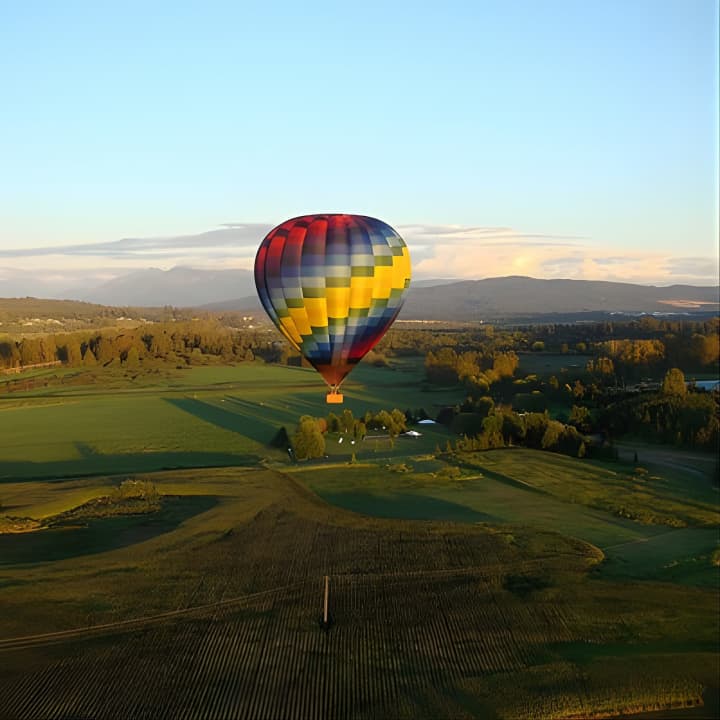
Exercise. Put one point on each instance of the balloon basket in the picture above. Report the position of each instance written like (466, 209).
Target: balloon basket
(334, 398)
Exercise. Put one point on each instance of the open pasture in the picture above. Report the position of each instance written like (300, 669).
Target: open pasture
(208, 416)
(113, 434)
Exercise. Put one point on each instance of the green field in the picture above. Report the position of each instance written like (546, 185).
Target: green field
(541, 490)
(194, 418)
(502, 584)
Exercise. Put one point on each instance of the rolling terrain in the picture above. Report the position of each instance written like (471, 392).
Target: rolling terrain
(508, 584)
(219, 617)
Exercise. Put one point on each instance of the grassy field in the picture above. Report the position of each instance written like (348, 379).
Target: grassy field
(503, 584)
(555, 493)
(616, 487)
(200, 417)
(472, 498)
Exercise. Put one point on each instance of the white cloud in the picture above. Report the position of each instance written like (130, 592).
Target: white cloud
(437, 251)
(493, 252)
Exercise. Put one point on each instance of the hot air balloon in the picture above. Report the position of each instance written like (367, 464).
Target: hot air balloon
(333, 284)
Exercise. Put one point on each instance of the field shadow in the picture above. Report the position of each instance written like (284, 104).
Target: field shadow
(405, 506)
(507, 480)
(250, 425)
(100, 534)
(95, 463)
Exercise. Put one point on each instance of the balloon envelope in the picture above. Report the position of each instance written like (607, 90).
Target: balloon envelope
(333, 284)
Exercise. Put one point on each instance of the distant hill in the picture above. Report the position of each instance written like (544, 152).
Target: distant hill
(15, 307)
(249, 303)
(515, 296)
(510, 296)
(506, 298)
(435, 282)
(180, 287)
(42, 315)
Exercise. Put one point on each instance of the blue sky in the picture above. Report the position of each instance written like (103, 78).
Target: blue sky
(594, 125)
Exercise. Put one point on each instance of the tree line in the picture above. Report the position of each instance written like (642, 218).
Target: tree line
(182, 343)
(452, 354)
(635, 347)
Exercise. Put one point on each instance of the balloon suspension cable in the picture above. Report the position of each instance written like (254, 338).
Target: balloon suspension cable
(334, 397)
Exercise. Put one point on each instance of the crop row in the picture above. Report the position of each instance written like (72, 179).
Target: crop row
(391, 637)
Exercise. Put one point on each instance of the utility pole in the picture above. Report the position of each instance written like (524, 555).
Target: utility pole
(326, 623)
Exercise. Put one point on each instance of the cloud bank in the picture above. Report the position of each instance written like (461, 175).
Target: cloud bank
(438, 251)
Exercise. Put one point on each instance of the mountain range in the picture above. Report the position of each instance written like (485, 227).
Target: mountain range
(517, 296)
(427, 299)
(525, 296)
(180, 287)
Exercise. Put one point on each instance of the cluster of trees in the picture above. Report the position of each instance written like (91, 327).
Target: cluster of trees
(308, 440)
(28, 351)
(483, 426)
(602, 367)
(672, 415)
(532, 394)
(666, 411)
(390, 423)
(633, 358)
(475, 368)
(184, 343)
